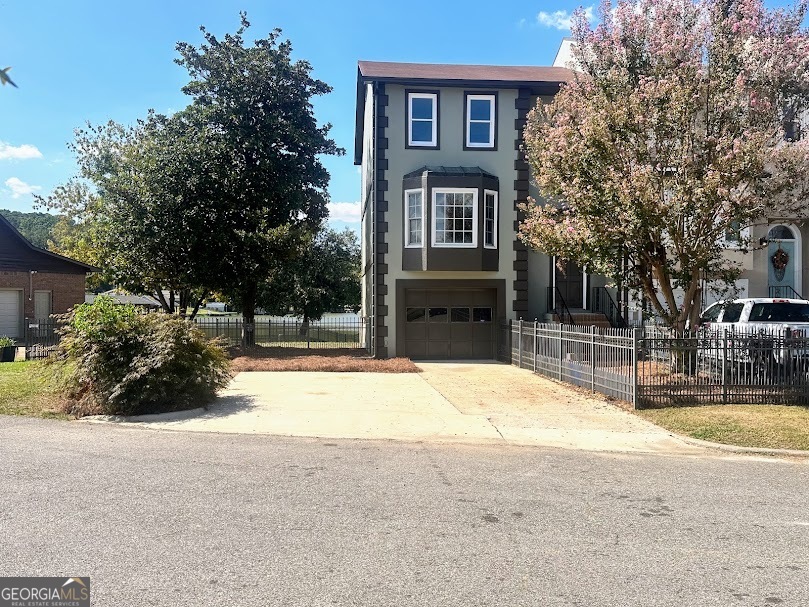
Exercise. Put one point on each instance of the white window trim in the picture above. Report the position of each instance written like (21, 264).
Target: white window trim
(492, 121)
(744, 234)
(434, 139)
(408, 244)
(475, 227)
(494, 227)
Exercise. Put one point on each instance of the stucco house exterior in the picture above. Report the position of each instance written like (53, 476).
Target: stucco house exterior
(34, 283)
(442, 176)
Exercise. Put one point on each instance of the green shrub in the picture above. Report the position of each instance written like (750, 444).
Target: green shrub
(6, 342)
(116, 361)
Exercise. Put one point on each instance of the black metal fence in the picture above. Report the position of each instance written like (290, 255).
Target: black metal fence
(41, 337)
(337, 332)
(653, 367)
(741, 367)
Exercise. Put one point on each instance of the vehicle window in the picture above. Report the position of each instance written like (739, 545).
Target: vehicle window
(779, 312)
(733, 312)
(711, 314)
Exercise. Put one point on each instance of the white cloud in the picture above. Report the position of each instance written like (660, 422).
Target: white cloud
(561, 20)
(21, 152)
(349, 212)
(19, 188)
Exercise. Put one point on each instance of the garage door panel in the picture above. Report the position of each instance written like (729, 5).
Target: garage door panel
(438, 332)
(460, 349)
(416, 349)
(10, 312)
(457, 323)
(438, 349)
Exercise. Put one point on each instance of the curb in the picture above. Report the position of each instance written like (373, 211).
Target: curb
(738, 449)
(151, 417)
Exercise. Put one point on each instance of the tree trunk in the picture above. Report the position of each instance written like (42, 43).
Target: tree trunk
(304, 330)
(198, 303)
(249, 293)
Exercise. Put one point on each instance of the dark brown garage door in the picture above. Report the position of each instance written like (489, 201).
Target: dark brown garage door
(449, 323)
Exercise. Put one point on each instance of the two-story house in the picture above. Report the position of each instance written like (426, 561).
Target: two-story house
(442, 176)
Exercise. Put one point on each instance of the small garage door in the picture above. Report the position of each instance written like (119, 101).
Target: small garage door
(449, 323)
(10, 313)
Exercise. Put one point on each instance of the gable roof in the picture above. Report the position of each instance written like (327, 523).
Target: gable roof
(540, 80)
(19, 255)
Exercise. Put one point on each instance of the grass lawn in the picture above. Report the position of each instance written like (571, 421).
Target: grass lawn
(767, 426)
(26, 390)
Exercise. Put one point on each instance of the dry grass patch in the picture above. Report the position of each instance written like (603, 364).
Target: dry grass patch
(765, 426)
(291, 359)
(27, 388)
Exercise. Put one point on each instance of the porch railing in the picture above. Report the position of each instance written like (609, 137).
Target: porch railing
(604, 303)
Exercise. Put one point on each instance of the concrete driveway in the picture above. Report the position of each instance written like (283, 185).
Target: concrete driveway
(468, 402)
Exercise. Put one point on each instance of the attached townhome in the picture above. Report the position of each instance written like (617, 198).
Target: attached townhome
(442, 176)
(442, 179)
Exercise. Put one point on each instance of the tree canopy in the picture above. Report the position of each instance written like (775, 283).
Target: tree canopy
(671, 136)
(324, 277)
(36, 227)
(209, 198)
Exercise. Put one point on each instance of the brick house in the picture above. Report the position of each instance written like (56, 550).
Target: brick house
(34, 283)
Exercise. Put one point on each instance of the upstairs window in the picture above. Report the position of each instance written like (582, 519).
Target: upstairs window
(414, 218)
(490, 219)
(455, 217)
(422, 120)
(480, 121)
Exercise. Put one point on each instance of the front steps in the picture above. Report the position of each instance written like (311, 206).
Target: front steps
(585, 318)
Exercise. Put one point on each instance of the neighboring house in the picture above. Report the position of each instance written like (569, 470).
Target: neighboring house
(34, 283)
(442, 176)
(123, 298)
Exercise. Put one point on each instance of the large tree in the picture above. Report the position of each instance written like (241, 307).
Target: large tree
(323, 277)
(671, 136)
(208, 199)
(254, 105)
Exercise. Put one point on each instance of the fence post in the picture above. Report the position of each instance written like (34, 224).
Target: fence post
(724, 366)
(636, 336)
(592, 358)
(561, 349)
(519, 345)
(536, 340)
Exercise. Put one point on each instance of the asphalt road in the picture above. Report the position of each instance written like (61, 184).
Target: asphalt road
(158, 518)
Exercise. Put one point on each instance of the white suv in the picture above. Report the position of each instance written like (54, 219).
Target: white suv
(758, 328)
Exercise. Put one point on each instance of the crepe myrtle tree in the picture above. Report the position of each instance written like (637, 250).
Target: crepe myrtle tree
(671, 136)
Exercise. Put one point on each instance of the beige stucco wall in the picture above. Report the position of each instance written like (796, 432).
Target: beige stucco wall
(402, 161)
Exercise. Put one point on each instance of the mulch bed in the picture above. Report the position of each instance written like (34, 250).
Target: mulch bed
(302, 359)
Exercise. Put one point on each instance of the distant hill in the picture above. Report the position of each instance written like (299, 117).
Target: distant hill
(36, 227)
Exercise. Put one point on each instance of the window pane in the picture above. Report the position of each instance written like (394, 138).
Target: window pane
(438, 315)
(480, 109)
(479, 133)
(421, 108)
(733, 312)
(440, 199)
(459, 315)
(467, 238)
(482, 314)
(467, 224)
(415, 231)
(422, 130)
(416, 314)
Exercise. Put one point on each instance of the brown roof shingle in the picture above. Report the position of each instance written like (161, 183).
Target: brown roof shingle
(383, 70)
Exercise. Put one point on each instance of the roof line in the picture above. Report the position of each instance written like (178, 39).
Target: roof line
(88, 267)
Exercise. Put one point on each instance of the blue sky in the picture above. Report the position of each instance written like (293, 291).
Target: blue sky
(95, 61)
